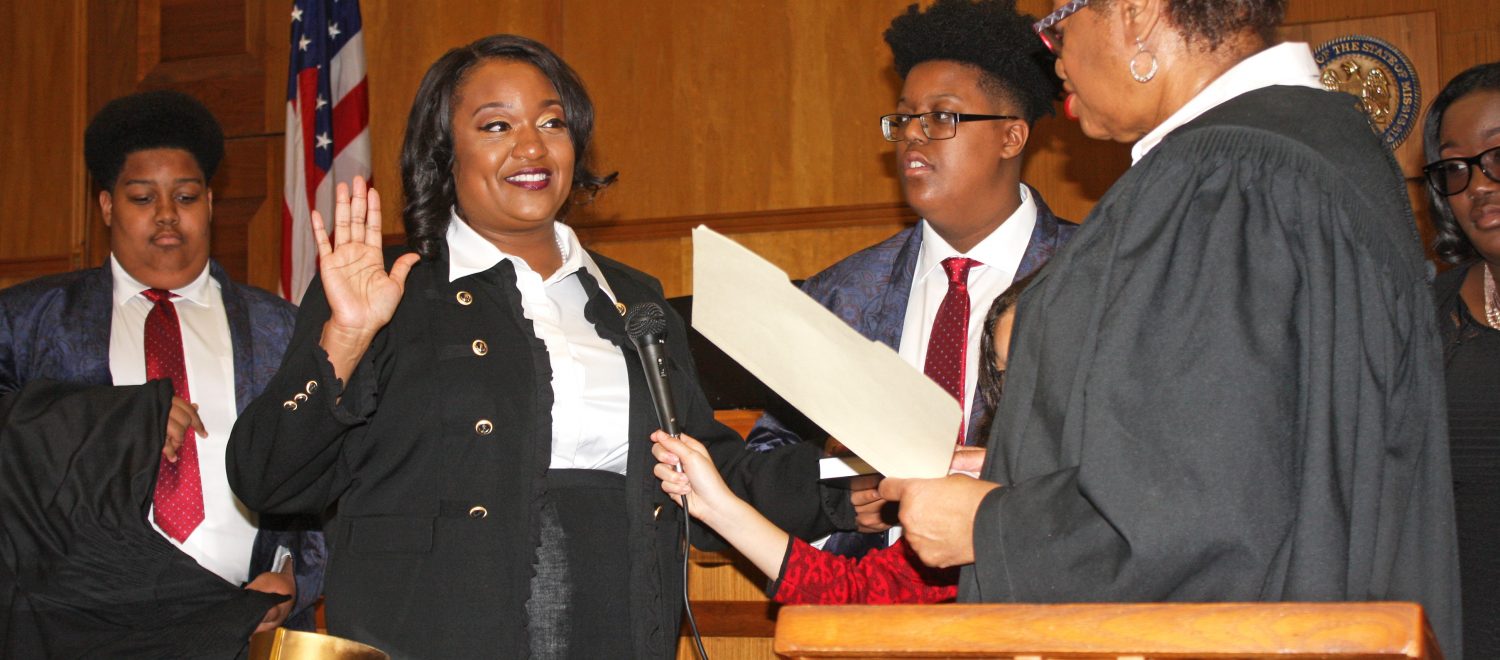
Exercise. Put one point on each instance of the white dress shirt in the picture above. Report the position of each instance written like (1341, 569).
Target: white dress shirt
(1288, 64)
(590, 383)
(223, 541)
(1000, 253)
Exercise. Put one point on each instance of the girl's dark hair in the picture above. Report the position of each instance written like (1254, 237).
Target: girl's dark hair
(991, 35)
(427, 151)
(150, 120)
(992, 379)
(1451, 244)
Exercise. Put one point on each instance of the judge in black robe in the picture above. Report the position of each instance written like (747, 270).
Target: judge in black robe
(1228, 386)
(82, 572)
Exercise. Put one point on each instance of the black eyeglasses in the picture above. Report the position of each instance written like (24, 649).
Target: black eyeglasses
(1046, 28)
(1451, 176)
(937, 125)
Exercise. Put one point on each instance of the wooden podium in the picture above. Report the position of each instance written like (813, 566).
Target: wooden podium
(1155, 630)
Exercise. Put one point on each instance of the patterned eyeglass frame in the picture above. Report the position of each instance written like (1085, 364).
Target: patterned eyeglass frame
(1043, 26)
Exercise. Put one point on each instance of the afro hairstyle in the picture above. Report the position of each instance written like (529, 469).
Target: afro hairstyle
(150, 120)
(989, 34)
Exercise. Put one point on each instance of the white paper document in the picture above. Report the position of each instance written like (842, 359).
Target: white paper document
(860, 391)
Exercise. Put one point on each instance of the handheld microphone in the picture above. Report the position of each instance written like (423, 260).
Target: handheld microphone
(646, 324)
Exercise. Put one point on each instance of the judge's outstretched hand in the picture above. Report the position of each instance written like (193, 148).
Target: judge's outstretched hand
(938, 515)
(361, 294)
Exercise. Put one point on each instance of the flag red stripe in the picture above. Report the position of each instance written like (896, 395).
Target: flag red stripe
(350, 117)
(307, 100)
(287, 227)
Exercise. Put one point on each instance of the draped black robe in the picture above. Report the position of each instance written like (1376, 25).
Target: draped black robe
(82, 572)
(1228, 386)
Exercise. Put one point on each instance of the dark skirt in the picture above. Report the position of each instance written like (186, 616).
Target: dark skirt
(579, 605)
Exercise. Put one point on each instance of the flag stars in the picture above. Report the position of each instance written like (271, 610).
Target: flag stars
(296, 13)
(334, 31)
(321, 102)
(303, 42)
(323, 141)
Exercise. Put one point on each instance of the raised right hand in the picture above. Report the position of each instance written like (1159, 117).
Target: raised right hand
(361, 294)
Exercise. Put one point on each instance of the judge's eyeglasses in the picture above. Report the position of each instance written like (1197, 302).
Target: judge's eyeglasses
(1047, 27)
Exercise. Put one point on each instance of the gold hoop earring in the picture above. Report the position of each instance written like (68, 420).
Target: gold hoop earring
(1146, 77)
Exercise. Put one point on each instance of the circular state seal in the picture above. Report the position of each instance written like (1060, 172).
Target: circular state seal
(1380, 76)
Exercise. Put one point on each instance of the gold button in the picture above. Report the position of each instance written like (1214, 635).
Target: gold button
(465, 298)
(312, 386)
(621, 307)
(299, 397)
(289, 405)
(484, 427)
(480, 348)
(478, 512)
(656, 515)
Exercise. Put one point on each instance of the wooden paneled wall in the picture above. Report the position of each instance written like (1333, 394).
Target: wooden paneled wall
(756, 117)
(403, 38)
(41, 138)
(760, 120)
(218, 51)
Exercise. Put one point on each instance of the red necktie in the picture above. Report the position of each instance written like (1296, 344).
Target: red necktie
(178, 499)
(949, 341)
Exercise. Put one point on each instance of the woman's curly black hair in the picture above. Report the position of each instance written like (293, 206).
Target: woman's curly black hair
(988, 34)
(1451, 244)
(150, 120)
(427, 151)
(1212, 22)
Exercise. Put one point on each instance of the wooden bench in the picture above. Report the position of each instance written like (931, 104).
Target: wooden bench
(1151, 630)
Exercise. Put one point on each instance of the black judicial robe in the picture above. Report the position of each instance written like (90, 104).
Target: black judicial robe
(82, 572)
(1228, 386)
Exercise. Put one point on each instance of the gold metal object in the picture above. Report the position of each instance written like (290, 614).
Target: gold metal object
(283, 644)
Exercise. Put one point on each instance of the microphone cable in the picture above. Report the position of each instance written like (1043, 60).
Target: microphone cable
(687, 552)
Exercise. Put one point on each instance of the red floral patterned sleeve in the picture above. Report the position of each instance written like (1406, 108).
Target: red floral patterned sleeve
(890, 575)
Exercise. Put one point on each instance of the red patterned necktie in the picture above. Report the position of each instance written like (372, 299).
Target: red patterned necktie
(949, 341)
(178, 499)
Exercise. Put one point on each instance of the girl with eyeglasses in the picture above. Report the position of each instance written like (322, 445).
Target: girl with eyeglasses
(1462, 144)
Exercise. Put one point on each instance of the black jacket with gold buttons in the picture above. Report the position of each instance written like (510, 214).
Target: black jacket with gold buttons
(436, 450)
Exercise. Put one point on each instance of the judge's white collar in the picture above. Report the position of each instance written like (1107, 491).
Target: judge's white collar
(1289, 64)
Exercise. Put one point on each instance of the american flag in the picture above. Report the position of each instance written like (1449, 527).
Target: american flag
(327, 127)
